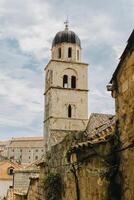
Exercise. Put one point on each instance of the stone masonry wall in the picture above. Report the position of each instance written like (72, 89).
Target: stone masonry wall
(125, 113)
(32, 189)
(88, 179)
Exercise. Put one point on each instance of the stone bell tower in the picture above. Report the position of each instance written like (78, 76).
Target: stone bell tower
(66, 89)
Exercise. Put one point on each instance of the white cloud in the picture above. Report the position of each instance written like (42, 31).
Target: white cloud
(33, 24)
(21, 94)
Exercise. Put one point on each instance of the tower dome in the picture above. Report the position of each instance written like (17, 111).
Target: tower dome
(66, 36)
(66, 46)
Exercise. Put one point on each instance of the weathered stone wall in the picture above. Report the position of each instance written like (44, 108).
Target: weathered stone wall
(32, 189)
(19, 197)
(39, 193)
(22, 180)
(84, 173)
(58, 98)
(125, 113)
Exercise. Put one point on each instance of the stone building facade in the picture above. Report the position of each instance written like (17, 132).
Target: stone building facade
(22, 180)
(25, 149)
(122, 87)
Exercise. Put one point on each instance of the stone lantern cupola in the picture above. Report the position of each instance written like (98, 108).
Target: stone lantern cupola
(66, 46)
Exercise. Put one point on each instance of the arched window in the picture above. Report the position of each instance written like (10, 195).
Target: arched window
(69, 52)
(65, 81)
(69, 111)
(10, 170)
(73, 82)
(59, 52)
(78, 55)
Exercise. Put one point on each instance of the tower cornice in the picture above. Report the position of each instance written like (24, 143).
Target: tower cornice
(61, 88)
(65, 118)
(63, 61)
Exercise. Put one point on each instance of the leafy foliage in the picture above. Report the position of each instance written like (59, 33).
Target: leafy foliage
(53, 187)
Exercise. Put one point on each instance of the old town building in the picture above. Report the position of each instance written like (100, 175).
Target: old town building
(7, 168)
(3, 148)
(25, 149)
(122, 87)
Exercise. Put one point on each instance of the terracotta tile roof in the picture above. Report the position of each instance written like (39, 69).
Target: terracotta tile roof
(100, 134)
(96, 121)
(102, 137)
(24, 142)
(27, 138)
(33, 165)
(15, 164)
(4, 165)
(4, 143)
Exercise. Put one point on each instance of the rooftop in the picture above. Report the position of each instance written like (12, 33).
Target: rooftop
(27, 142)
(97, 120)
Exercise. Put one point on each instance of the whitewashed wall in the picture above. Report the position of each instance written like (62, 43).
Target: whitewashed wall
(4, 185)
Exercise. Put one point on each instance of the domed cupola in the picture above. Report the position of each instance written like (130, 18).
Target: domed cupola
(66, 36)
(66, 46)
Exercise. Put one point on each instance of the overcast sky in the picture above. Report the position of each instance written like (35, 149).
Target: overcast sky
(27, 28)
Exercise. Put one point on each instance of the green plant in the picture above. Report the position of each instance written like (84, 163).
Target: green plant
(53, 187)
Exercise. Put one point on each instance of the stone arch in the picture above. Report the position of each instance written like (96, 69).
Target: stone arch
(65, 81)
(72, 77)
(10, 170)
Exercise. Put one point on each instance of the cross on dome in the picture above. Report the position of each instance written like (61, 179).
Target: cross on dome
(66, 24)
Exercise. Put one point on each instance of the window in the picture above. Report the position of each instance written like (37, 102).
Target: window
(10, 170)
(65, 81)
(73, 82)
(59, 52)
(69, 111)
(78, 55)
(36, 157)
(69, 52)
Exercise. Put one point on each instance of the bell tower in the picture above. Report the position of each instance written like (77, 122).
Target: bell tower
(66, 88)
